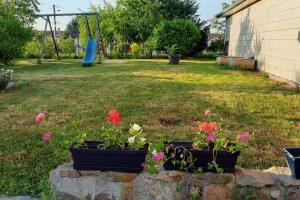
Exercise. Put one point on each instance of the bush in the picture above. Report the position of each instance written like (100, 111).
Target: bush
(180, 32)
(136, 50)
(67, 46)
(216, 46)
(32, 49)
(14, 36)
(49, 48)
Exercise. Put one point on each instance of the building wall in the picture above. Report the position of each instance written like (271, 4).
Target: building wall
(268, 30)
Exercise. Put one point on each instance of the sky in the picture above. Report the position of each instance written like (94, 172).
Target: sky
(208, 9)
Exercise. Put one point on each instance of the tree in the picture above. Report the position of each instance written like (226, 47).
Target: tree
(24, 10)
(16, 19)
(72, 29)
(14, 36)
(184, 34)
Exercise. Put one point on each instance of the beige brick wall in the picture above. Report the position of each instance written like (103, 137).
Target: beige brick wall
(268, 30)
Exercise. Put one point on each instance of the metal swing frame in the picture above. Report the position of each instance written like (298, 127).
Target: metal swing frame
(46, 17)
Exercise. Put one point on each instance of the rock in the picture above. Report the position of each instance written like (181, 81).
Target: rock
(90, 173)
(67, 170)
(167, 176)
(121, 176)
(295, 195)
(12, 85)
(216, 192)
(287, 180)
(275, 194)
(103, 196)
(214, 178)
(180, 196)
(279, 170)
(254, 178)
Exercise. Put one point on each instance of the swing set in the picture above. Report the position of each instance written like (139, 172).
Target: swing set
(93, 44)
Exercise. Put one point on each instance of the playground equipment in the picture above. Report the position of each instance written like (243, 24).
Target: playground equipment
(93, 44)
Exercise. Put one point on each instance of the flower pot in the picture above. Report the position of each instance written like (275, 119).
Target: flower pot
(174, 58)
(293, 159)
(3, 84)
(121, 160)
(201, 158)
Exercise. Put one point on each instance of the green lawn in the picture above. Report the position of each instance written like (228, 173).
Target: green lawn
(77, 99)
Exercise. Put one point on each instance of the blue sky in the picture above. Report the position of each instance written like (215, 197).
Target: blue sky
(208, 8)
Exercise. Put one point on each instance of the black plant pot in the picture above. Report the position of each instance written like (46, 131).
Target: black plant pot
(293, 159)
(3, 84)
(225, 159)
(92, 158)
(174, 59)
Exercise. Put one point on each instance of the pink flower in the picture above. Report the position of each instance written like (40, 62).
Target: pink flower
(46, 137)
(244, 137)
(40, 117)
(158, 156)
(211, 137)
(208, 113)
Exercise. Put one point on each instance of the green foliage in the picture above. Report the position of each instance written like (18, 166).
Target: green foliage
(49, 48)
(67, 46)
(182, 33)
(136, 50)
(14, 36)
(23, 10)
(216, 46)
(32, 49)
(72, 29)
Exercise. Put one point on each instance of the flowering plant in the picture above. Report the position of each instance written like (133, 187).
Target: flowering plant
(6, 75)
(114, 138)
(209, 136)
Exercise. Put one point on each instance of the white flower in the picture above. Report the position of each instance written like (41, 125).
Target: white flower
(136, 127)
(131, 139)
(143, 139)
(154, 151)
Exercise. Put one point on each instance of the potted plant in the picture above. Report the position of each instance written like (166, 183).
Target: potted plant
(209, 152)
(115, 152)
(293, 160)
(6, 75)
(174, 57)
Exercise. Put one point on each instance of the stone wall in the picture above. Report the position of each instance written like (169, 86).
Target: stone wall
(268, 30)
(274, 183)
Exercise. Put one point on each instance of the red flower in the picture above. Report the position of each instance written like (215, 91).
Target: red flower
(208, 127)
(114, 117)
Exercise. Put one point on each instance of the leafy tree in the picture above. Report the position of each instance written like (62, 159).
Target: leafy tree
(14, 36)
(72, 29)
(16, 18)
(24, 10)
(180, 32)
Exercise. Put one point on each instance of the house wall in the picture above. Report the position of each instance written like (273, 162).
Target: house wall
(268, 30)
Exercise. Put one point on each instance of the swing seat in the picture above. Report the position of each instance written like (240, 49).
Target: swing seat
(90, 53)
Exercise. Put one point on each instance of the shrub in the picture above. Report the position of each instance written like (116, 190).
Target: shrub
(180, 32)
(14, 36)
(49, 48)
(216, 46)
(32, 49)
(67, 46)
(136, 50)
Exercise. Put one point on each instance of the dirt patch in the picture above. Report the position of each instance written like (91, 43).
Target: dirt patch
(170, 121)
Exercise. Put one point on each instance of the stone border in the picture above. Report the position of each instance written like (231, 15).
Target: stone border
(274, 183)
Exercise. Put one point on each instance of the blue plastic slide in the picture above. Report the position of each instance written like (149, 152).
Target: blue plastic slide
(90, 52)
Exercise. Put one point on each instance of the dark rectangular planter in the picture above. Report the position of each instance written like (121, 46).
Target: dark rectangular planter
(293, 159)
(92, 158)
(225, 159)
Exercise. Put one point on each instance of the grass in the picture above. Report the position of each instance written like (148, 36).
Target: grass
(77, 99)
